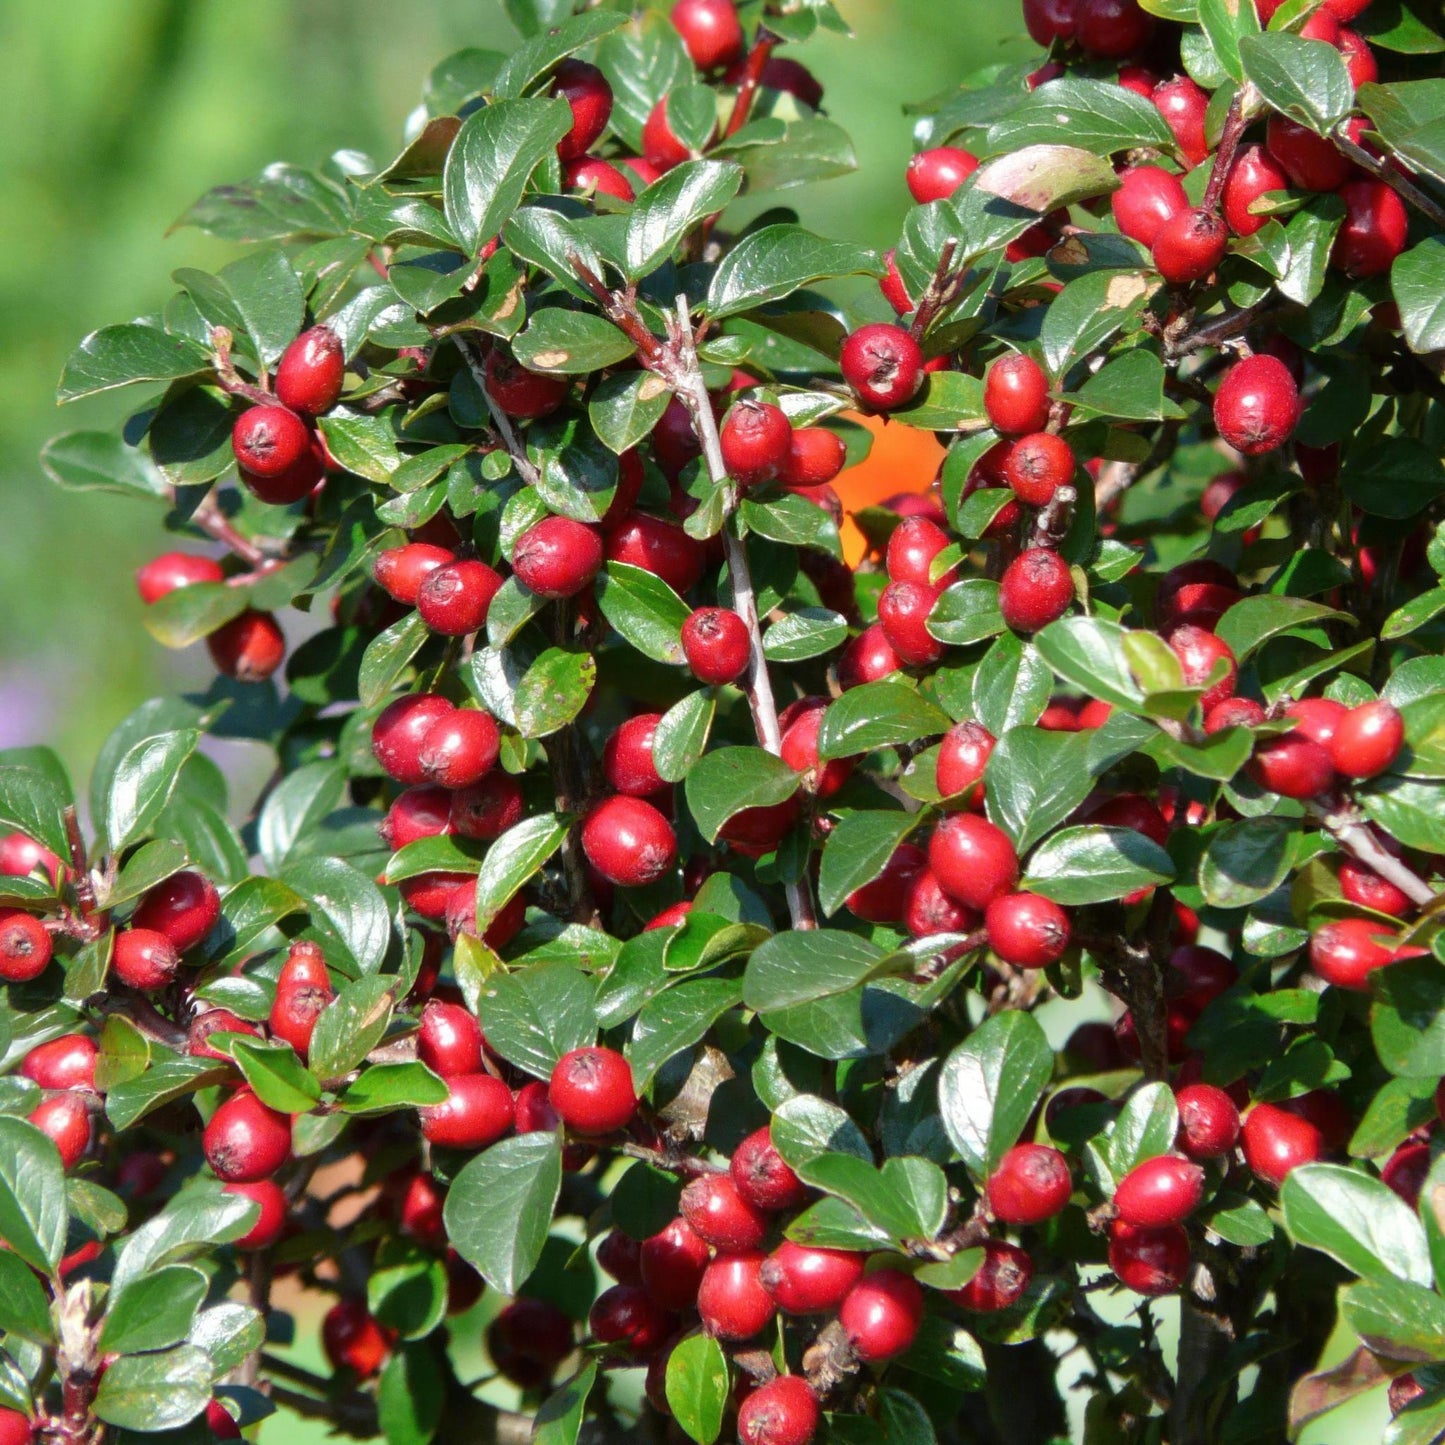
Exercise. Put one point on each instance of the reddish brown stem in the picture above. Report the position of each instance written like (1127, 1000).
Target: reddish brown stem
(1235, 125)
(229, 379)
(757, 61)
(216, 525)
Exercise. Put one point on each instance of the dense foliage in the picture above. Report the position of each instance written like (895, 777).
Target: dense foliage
(779, 997)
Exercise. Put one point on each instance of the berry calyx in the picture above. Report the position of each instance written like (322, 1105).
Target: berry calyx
(1159, 1192)
(881, 1315)
(1190, 246)
(1037, 466)
(557, 557)
(883, 364)
(592, 1091)
(1035, 590)
(269, 441)
(1027, 930)
(717, 646)
(311, 372)
(629, 842)
(487, 809)
(1031, 1184)
(454, 599)
(1002, 1278)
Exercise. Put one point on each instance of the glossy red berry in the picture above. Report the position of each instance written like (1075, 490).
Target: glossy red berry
(15, 1428)
(1291, 765)
(1050, 20)
(270, 1198)
(1030, 1185)
(1367, 740)
(1190, 246)
(487, 809)
(1027, 930)
(756, 437)
(248, 648)
(593, 174)
(246, 1141)
(185, 907)
(881, 1315)
(719, 1214)
(629, 842)
(1112, 28)
(303, 992)
(1255, 173)
(731, 1298)
(1310, 161)
(400, 732)
(661, 145)
(869, 657)
(1208, 1121)
(592, 1091)
(763, 1178)
(417, 813)
(782, 1412)
(269, 441)
(1016, 395)
(627, 761)
(1316, 718)
(620, 1256)
(65, 1119)
(454, 599)
(717, 646)
(928, 910)
(815, 456)
(805, 1280)
(913, 545)
(893, 286)
(1037, 466)
(1375, 230)
(1147, 198)
(1001, 1280)
(557, 557)
(1232, 713)
(885, 898)
(449, 1041)
(903, 612)
(144, 959)
(1360, 59)
(1183, 105)
(1148, 1261)
(64, 1063)
(477, 1111)
(1275, 1141)
(711, 32)
(973, 860)
(672, 1263)
(801, 731)
(1202, 657)
(1346, 951)
(528, 1340)
(1036, 589)
(460, 749)
(353, 1340)
(311, 372)
(934, 175)
(962, 757)
(219, 1422)
(216, 1021)
(1159, 1192)
(659, 547)
(172, 570)
(1362, 886)
(25, 946)
(586, 90)
(1257, 405)
(524, 395)
(883, 364)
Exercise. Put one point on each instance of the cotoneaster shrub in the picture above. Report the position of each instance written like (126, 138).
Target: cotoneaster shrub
(722, 990)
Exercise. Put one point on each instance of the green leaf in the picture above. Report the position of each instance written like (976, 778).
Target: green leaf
(1094, 865)
(24, 1309)
(948, 401)
(190, 1226)
(570, 343)
(346, 908)
(806, 1126)
(725, 782)
(878, 715)
(676, 1020)
(1407, 1020)
(150, 1393)
(1399, 1320)
(1245, 861)
(1087, 312)
(1407, 115)
(1397, 477)
(165, 1081)
(644, 609)
(1130, 389)
(364, 445)
(297, 807)
(1356, 1220)
(1011, 686)
(1145, 1127)
(577, 474)
(407, 1292)
(100, 461)
(778, 154)
(384, 1087)
(1306, 80)
(1089, 653)
(119, 355)
(624, 408)
(559, 1421)
(697, 1387)
(1225, 23)
(34, 803)
(143, 783)
(350, 1026)
(681, 736)
(1034, 779)
(794, 521)
(513, 859)
(499, 1208)
(280, 1080)
(32, 1195)
(154, 1311)
(905, 1199)
(857, 850)
(192, 612)
(1093, 115)
(387, 655)
(492, 159)
(411, 1396)
(1417, 280)
(263, 287)
(798, 967)
(552, 691)
(670, 207)
(989, 1086)
(535, 1015)
(558, 38)
(805, 633)
(771, 263)
(967, 612)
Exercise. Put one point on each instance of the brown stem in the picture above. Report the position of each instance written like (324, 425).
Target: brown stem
(570, 784)
(942, 288)
(1235, 125)
(1218, 329)
(763, 47)
(1051, 525)
(1382, 170)
(667, 1160)
(620, 308)
(214, 523)
(1344, 825)
(229, 379)
(80, 870)
(501, 422)
(258, 1287)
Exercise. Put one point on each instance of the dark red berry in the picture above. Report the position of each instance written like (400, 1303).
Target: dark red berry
(711, 31)
(883, 364)
(627, 1317)
(885, 898)
(245, 1141)
(185, 907)
(144, 959)
(1208, 1121)
(805, 1280)
(715, 1208)
(1036, 589)
(629, 842)
(1190, 246)
(1275, 1141)
(311, 372)
(271, 1200)
(1291, 765)
(586, 90)
(1037, 466)
(454, 599)
(627, 760)
(25, 946)
(528, 1340)
(172, 570)
(1016, 395)
(973, 860)
(672, 1263)
(881, 1315)
(1001, 1280)
(477, 1111)
(353, 1340)
(934, 175)
(620, 1256)
(248, 648)
(1202, 657)
(716, 644)
(903, 612)
(1027, 930)
(1255, 174)
(731, 1299)
(1257, 405)
(756, 437)
(658, 547)
(558, 557)
(269, 441)
(1367, 740)
(783, 1412)
(1310, 161)
(522, 394)
(869, 657)
(763, 1177)
(1112, 27)
(1050, 20)
(400, 732)
(64, 1063)
(1147, 198)
(1148, 1261)
(592, 1091)
(460, 749)
(65, 1119)
(487, 809)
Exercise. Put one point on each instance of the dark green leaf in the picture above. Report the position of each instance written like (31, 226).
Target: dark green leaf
(350, 1027)
(570, 342)
(98, 461)
(1305, 79)
(681, 736)
(118, 355)
(499, 1208)
(644, 609)
(513, 859)
(346, 907)
(1356, 1220)
(670, 207)
(1246, 861)
(1034, 779)
(989, 1086)
(857, 850)
(149, 1393)
(1094, 115)
(24, 1309)
(697, 1387)
(877, 715)
(535, 1015)
(154, 1311)
(1095, 865)
(797, 967)
(387, 655)
(725, 782)
(772, 263)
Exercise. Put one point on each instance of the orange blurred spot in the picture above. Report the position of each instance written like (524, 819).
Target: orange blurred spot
(903, 459)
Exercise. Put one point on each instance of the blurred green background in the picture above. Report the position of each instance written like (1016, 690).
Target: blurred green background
(122, 112)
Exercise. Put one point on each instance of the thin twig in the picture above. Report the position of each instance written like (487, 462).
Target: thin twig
(80, 868)
(501, 422)
(1235, 124)
(1219, 329)
(763, 47)
(1344, 825)
(209, 518)
(942, 290)
(228, 378)
(1051, 525)
(1382, 170)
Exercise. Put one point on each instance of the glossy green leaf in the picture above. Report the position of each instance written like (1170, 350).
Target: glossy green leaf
(989, 1086)
(724, 783)
(644, 609)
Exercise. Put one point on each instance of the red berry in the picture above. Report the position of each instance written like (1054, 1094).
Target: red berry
(1234, 712)
(903, 612)
(1036, 589)
(1346, 10)
(1208, 1121)
(962, 758)
(658, 547)
(21, 855)
(454, 599)
(1359, 57)
(15, 1428)
(1316, 718)
(934, 175)
(731, 1299)
(1148, 1261)
(1001, 1280)
(626, 1316)
(1375, 231)
(218, 1421)
(893, 286)
(311, 372)
(25, 946)
(627, 758)
(782, 1412)
(1147, 198)
(215, 1021)
(460, 749)
(928, 909)
(620, 1256)
(913, 545)
(245, 1141)
(596, 175)
(487, 809)
(353, 1340)
(65, 1119)
(1112, 27)
(528, 1340)
(804, 1280)
(1159, 1192)
(672, 1264)
(1016, 395)
(815, 456)
(400, 732)
(1257, 405)
(883, 364)
(1200, 655)
(1050, 20)
(270, 1221)
(1405, 1171)
(1367, 740)
(449, 1041)
(715, 1208)
(1310, 161)
(1027, 930)
(1346, 951)
(1130, 810)
(1275, 1141)
(248, 648)
(711, 31)
(590, 96)
(1189, 246)
(716, 644)
(869, 657)
(756, 437)
(1362, 886)
(881, 1315)
(973, 860)
(660, 143)
(592, 1091)
(1254, 174)
(629, 842)
(417, 813)
(185, 907)
(558, 557)
(269, 441)
(1292, 766)
(477, 1111)
(64, 1063)
(1037, 466)
(763, 1178)
(144, 959)
(171, 570)
(885, 898)
(303, 992)
(1197, 975)
(522, 394)
(1030, 1185)
(801, 730)
(1183, 105)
